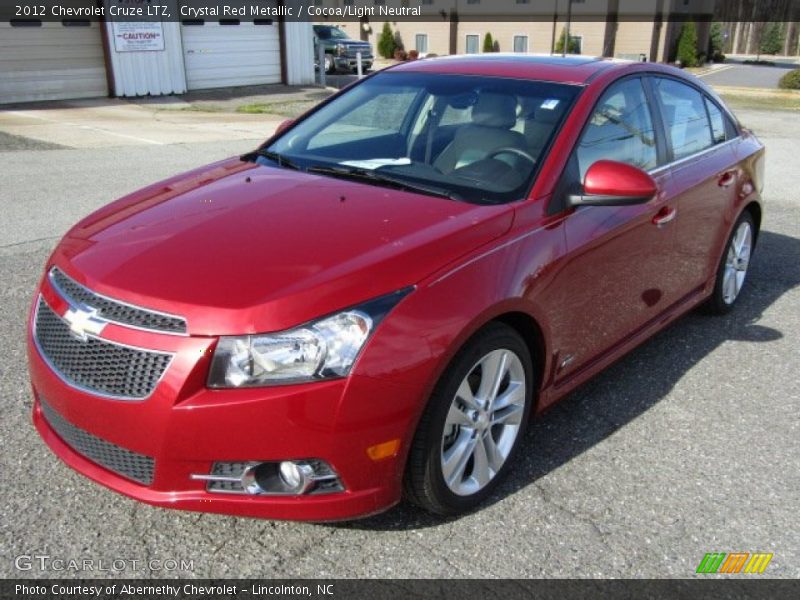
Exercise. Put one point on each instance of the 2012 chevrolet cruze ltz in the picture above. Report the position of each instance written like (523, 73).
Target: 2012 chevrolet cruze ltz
(372, 304)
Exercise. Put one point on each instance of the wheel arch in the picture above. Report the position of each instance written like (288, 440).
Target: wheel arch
(754, 208)
(531, 332)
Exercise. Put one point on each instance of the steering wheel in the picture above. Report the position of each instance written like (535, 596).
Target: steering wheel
(515, 151)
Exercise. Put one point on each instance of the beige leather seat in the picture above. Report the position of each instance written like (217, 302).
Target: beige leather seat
(493, 116)
(539, 128)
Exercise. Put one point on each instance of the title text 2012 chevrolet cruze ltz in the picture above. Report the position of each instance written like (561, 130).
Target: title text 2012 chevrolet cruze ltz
(373, 304)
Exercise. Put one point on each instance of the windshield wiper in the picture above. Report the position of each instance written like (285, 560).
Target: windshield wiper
(370, 176)
(273, 156)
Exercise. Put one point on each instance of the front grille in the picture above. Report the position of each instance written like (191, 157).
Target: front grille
(95, 365)
(365, 53)
(113, 310)
(126, 463)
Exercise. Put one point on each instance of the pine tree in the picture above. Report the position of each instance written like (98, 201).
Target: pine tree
(687, 45)
(771, 39)
(573, 44)
(488, 43)
(716, 43)
(386, 44)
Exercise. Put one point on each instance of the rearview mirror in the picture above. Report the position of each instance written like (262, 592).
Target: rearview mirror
(283, 127)
(611, 183)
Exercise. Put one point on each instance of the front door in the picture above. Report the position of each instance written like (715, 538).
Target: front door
(612, 280)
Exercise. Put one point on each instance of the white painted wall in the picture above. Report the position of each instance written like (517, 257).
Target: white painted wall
(299, 53)
(51, 62)
(154, 73)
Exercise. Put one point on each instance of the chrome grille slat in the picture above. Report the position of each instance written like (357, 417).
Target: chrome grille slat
(95, 365)
(114, 310)
(124, 462)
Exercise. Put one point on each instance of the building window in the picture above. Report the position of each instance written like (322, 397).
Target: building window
(422, 43)
(523, 1)
(473, 42)
(521, 43)
(576, 43)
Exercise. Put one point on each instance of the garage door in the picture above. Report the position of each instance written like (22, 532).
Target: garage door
(51, 61)
(231, 52)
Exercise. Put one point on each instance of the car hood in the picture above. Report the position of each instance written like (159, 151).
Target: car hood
(239, 248)
(353, 43)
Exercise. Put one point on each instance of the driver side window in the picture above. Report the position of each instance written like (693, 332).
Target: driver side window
(620, 129)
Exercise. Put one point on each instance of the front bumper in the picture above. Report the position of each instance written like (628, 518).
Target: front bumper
(351, 62)
(186, 427)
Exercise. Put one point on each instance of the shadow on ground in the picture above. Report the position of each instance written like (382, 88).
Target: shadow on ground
(583, 419)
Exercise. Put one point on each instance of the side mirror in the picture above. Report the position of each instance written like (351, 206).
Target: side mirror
(611, 183)
(283, 127)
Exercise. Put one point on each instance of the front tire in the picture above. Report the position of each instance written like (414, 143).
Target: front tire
(473, 424)
(733, 267)
(329, 66)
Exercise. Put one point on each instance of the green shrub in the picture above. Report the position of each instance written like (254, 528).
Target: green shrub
(386, 43)
(716, 43)
(488, 43)
(398, 41)
(574, 48)
(771, 39)
(790, 81)
(687, 45)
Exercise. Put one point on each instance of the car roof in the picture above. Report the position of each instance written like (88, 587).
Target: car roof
(561, 69)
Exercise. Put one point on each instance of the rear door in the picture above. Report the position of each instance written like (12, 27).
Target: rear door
(705, 178)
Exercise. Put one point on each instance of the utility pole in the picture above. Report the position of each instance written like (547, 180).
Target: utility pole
(566, 29)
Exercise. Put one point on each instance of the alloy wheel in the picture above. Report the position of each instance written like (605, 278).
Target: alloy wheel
(737, 262)
(483, 422)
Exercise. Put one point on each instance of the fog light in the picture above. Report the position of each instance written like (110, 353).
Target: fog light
(298, 478)
(284, 478)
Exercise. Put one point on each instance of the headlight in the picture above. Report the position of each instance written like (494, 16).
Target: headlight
(323, 349)
(341, 49)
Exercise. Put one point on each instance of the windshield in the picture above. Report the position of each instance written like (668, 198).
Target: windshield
(478, 139)
(330, 33)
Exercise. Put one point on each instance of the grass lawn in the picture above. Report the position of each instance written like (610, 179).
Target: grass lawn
(763, 99)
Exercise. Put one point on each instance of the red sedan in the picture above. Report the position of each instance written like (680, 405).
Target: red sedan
(372, 304)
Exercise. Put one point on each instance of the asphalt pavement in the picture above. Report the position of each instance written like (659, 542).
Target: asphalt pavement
(749, 76)
(688, 445)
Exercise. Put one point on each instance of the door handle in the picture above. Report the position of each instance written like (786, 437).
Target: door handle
(665, 216)
(727, 179)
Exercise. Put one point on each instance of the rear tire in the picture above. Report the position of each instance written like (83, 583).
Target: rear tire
(473, 424)
(733, 267)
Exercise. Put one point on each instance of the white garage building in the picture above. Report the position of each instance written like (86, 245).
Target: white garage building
(45, 60)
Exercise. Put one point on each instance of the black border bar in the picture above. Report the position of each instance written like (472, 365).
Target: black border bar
(700, 588)
(728, 11)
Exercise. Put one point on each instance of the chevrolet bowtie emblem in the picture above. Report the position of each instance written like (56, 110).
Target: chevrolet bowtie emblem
(84, 321)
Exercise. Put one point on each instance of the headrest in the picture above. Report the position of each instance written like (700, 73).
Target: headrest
(495, 110)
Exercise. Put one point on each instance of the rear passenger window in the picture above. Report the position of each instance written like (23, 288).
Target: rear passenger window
(717, 122)
(685, 117)
(620, 129)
